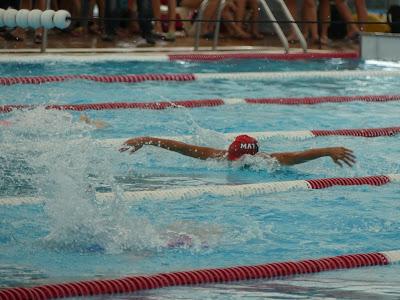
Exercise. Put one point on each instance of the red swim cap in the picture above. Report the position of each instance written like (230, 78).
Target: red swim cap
(243, 144)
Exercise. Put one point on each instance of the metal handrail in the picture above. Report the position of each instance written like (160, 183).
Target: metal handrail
(218, 25)
(275, 24)
(294, 25)
(198, 24)
(269, 14)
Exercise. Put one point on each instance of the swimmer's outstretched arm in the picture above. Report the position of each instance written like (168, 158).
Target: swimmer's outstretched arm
(186, 149)
(339, 156)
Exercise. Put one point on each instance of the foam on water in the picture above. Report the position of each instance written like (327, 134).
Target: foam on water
(68, 166)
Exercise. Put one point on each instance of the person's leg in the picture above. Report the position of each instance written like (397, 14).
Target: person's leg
(209, 13)
(133, 25)
(102, 12)
(325, 17)
(26, 4)
(345, 12)
(236, 31)
(54, 5)
(240, 11)
(86, 12)
(82, 8)
(40, 4)
(310, 15)
(75, 9)
(193, 4)
(172, 16)
(362, 12)
(255, 15)
(292, 6)
(156, 4)
(109, 26)
(145, 16)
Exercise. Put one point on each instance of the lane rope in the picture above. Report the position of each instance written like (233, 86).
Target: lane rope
(265, 135)
(293, 135)
(154, 57)
(137, 283)
(224, 190)
(240, 76)
(160, 105)
(268, 56)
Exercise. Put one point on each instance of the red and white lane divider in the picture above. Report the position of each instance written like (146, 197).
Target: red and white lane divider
(240, 76)
(323, 99)
(154, 105)
(240, 190)
(265, 135)
(198, 57)
(120, 105)
(294, 135)
(137, 283)
(269, 56)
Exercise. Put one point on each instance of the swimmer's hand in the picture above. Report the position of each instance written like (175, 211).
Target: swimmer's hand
(342, 155)
(133, 144)
(339, 156)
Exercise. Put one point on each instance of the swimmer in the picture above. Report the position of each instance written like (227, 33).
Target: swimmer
(242, 145)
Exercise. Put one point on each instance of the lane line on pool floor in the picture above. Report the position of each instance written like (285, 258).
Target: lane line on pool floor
(226, 190)
(195, 103)
(137, 283)
(179, 77)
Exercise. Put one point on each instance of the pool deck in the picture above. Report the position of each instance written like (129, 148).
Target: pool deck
(65, 43)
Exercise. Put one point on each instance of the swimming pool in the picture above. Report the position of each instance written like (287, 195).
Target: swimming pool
(72, 237)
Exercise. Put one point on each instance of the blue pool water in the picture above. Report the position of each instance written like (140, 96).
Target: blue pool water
(73, 237)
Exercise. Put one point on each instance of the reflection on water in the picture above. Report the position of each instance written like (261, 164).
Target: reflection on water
(12, 276)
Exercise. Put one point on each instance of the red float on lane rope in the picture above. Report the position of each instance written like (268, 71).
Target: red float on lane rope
(270, 56)
(98, 78)
(323, 99)
(367, 132)
(138, 283)
(205, 102)
(136, 105)
(329, 182)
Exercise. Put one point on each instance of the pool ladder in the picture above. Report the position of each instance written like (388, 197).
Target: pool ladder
(268, 12)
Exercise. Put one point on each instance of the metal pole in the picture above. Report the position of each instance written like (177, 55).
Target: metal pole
(276, 26)
(218, 25)
(198, 24)
(44, 37)
(294, 25)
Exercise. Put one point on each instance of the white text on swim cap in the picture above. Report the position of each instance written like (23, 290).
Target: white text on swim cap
(247, 146)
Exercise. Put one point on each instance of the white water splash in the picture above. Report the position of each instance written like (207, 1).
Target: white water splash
(68, 166)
